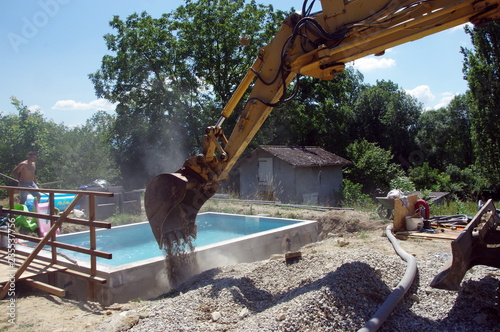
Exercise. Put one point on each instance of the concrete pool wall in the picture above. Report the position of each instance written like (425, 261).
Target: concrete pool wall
(149, 278)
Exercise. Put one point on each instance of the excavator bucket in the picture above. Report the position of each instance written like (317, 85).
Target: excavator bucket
(172, 202)
(479, 244)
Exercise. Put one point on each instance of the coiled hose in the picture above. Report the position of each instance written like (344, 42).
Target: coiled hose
(397, 294)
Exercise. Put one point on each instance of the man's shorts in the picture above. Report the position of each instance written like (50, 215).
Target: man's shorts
(23, 195)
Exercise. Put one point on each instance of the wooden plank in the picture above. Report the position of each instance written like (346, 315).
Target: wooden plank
(6, 275)
(45, 287)
(61, 191)
(89, 277)
(6, 272)
(37, 267)
(76, 221)
(52, 211)
(401, 212)
(62, 245)
(446, 235)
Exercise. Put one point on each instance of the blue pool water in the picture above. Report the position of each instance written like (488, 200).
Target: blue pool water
(136, 242)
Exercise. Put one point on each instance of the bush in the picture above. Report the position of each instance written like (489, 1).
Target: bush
(352, 193)
(402, 183)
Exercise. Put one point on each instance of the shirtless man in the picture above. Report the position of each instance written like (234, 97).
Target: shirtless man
(25, 175)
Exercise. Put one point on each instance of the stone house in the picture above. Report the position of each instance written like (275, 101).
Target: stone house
(296, 175)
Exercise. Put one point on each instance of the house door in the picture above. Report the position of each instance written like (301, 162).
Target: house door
(265, 171)
(265, 174)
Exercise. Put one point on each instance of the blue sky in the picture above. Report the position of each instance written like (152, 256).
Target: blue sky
(48, 48)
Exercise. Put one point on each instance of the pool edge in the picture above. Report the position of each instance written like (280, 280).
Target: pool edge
(147, 279)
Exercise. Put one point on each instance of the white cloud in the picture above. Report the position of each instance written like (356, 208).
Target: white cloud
(372, 63)
(35, 108)
(445, 99)
(100, 104)
(422, 93)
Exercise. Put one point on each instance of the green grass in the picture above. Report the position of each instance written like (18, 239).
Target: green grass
(454, 207)
(363, 235)
(124, 219)
(451, 207)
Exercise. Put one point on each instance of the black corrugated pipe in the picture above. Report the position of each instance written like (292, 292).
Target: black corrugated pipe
(397, 294)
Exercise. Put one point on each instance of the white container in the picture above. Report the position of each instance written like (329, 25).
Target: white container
(414, 224)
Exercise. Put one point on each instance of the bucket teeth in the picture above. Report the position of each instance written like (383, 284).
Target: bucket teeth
(180, 237)
(171, 239)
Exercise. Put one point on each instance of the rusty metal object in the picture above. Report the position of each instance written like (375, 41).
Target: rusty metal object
(172, 202)
(293, 257)
(479, 244)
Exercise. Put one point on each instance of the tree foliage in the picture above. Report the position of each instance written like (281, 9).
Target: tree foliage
(87, 153)
(321, 114)
(373, 166)
(385, 114)
(221, 39)
(171, 75)
(29, 131)
(74, 156)
(444, 134)
(482, 71)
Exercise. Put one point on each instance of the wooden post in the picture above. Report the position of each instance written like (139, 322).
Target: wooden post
(53, 238)
(52, 276)
(93, 259)
(11, 202)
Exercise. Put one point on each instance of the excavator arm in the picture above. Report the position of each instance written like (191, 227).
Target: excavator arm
(317, 45)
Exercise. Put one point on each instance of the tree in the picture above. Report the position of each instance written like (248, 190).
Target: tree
(482, 71)
(221, 39)
(30, 131)
(444, 136)
(76, 156)
(426, 177)
(320, 115)
(170, 76)
(152, 85)
(387, 115)
(88, 154)
(372, 166)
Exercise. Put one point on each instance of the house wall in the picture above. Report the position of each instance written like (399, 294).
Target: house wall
(318, 185)
(248, 175)
(300, 185)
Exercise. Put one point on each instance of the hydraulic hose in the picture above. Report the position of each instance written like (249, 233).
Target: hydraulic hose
(397, 294)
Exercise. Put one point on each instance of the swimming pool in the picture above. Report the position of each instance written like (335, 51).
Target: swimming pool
(136, 242)
(146, 278)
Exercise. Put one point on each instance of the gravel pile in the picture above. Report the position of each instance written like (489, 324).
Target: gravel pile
(337, 290)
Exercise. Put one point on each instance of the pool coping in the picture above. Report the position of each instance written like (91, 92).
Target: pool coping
(146, 279)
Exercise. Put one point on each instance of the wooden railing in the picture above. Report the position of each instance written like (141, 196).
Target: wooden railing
(50, 238)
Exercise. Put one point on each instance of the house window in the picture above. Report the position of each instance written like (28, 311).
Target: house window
(265, 171)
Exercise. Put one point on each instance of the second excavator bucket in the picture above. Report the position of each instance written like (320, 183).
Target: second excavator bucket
(478, 244)
(172, 202)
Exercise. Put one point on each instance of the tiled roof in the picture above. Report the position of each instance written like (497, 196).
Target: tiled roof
(305, 156)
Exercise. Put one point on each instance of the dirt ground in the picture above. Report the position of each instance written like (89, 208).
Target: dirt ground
(38, 311)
